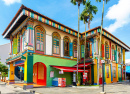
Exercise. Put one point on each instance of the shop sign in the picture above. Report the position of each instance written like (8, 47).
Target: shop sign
(61, 72)
(74, 76)
(52, 74)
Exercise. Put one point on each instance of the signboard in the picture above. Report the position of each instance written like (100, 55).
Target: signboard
(84, 77)
(61, 72)
(51, 73)
(59, 81)
(74, 76)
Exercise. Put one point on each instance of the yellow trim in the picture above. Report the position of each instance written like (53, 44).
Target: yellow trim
(25, 69)
(95, 70)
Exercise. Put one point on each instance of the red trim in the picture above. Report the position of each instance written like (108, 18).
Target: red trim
(39, 52)
(19, 64)
(68, 69)
(102, 50)
(82, 65)
(110, 51)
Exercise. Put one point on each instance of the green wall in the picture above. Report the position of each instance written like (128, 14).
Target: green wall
(55, 61)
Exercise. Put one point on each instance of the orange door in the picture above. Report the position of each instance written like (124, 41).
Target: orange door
(41, 80)
(35, 73)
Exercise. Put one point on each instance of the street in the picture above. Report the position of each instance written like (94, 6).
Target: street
(114, 88)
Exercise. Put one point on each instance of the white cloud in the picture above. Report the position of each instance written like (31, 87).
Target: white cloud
(120, 13)
(9, 2)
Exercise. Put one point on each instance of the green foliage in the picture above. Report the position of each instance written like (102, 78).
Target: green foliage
(88, 12)
(75, 2)
(3, 70)
(103, 0)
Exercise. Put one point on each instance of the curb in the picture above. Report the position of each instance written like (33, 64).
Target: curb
(90, 87)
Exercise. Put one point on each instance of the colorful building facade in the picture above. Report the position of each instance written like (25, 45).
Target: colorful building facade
(46, 49)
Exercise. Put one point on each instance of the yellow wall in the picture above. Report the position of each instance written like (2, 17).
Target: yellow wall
(12, 72)
(25, 70)
(117, 71)
(124, 56)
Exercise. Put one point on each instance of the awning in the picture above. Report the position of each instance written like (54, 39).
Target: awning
(80, 65)
(68, 69)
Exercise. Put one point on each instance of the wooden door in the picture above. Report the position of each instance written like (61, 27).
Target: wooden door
(35, 73)
(41, 80)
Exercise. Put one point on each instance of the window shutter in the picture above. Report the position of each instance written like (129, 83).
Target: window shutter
(102, 50)
(82, 50)
(71, 49)
(107, 52)
(115, 54)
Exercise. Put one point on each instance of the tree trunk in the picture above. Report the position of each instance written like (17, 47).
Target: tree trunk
(89, 24)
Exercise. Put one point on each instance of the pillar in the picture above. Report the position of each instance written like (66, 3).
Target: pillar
(30, 35)
(11, 73)
(28, 71)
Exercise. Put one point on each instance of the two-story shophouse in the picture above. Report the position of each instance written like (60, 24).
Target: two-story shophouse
(46, 49)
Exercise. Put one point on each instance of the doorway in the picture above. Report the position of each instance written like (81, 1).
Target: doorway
(39, 73)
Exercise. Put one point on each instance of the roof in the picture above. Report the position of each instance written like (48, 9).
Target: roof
(25, 12)
(99, 27)
(24, 7)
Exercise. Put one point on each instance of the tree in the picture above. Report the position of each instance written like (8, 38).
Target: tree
(100, 39)
(3, 70)
(75, 2)
(87, 16)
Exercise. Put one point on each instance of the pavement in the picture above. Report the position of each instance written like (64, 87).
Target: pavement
(113, 88)
(10, 89)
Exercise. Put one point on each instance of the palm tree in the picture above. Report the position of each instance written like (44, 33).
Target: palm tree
(87, 16)
(75, 2)
(100, 39)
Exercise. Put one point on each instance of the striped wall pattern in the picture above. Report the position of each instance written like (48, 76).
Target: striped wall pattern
(48, 22)
(112, 38)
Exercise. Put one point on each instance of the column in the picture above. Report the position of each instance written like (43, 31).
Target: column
(11, 73)
(28, 71)
(62, 50)
(29, 36)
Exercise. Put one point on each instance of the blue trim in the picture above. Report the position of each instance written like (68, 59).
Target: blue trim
(30, 51)
(23, 11)
(95, 84)
(111, 73)
(66, 57)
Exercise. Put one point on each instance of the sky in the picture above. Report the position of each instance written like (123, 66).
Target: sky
(116, 15)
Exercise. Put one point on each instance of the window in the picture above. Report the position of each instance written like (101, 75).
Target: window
(113, 53)
(87, 52)
(75, 47)
(66, 46)
(119, 56)
(56, 43)
(18, 36)
(40, 38)
(107, 69)
(23, 38)
(106, 50)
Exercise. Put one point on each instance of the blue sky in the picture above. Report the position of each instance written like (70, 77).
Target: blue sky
(116, 15)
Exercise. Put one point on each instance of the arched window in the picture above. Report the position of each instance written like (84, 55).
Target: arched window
(39, 39)
(113, 53)
(106, 50)
(75, 47)
(56, 43)
(66, 45)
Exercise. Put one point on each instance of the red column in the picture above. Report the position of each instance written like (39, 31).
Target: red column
(110, 51)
